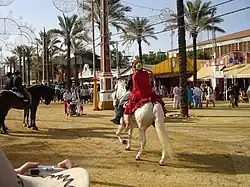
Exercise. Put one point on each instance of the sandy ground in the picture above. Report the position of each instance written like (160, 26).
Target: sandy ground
(212, 147)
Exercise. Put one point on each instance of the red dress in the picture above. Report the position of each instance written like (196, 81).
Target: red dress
(142, 92)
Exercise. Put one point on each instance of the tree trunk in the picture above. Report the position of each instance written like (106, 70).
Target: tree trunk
(68, 65)
(140, 50)
(24, 69)
(14, 66)
(11, 68)
(28, 64)
(182, 59)
(76, 71)
(20, 65)
(195, 58)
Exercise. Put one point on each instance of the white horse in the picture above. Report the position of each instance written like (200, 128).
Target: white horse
(144, 118)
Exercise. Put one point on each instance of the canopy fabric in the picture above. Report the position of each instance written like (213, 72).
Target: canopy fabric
(235, 70)
(204, 73)
(245, 73)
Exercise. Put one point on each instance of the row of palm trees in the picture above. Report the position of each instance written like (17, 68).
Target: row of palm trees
(73, 35)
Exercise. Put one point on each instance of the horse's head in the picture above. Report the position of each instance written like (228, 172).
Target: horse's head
(42, 91)
(120, 89)
(48, 95)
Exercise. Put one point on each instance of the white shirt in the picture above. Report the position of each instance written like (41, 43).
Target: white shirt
(209, 91)
(176, 90)
(197, 92)
(74, 95)
(84, 92)
(67, 96)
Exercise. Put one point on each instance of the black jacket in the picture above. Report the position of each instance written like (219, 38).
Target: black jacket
(17, 82)
(9, 83)
(129, 83)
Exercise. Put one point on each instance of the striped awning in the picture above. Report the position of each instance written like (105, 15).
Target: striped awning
(204, 73)
(234, 71)
(245, 73)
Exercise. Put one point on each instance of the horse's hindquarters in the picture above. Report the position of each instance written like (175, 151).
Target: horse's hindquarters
(144, 115)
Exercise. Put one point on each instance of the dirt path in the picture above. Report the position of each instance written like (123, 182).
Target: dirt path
(212, 147)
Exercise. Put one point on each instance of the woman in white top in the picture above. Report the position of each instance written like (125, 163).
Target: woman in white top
(210, 95)
(67, 97)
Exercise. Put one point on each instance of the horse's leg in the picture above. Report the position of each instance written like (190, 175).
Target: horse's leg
(120, 128)
(24, 116)
(4, 130)
(27, 116)
(143, 142)
(130, 132)
(33, 118)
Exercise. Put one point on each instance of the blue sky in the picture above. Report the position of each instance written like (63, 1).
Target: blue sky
(42, 13)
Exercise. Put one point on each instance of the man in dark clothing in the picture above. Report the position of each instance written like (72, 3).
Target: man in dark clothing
(18, 86)
(236, 92)
(9, 81)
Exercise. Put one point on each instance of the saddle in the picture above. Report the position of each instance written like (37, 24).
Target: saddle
(18, 94)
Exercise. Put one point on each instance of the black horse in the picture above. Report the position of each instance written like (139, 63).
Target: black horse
(10, 99)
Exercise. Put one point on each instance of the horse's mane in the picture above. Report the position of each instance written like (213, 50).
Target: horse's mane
(34, 87)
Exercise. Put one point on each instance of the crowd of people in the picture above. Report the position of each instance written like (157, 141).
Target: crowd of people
(195, 95)
(78, 94)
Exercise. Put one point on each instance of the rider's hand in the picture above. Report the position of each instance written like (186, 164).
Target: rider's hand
(23, 170)
(67, 164)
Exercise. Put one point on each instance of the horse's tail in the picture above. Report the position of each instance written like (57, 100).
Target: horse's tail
(161, 131)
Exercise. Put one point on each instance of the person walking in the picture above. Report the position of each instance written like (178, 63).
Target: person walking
(67, 97)
(176, 93)
(197, 96)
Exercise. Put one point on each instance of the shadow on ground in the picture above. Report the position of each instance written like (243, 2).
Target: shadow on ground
(213, 163)
(69, 133)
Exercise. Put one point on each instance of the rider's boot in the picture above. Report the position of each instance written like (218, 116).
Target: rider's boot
(127, 120)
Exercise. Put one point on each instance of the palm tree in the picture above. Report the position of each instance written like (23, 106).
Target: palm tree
(71, 28)
(11, 61)
(18, 51)
(52, 48)
(116, 13)
(139, 30)
(28, 54)
(182, 58)
(77, 47)
(200, 17)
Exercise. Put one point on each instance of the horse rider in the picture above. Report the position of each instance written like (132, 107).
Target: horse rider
(142, 93)
(9, 81)
(120, 106)
(18, 86)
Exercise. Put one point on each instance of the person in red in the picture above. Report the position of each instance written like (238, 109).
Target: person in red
(142, 93)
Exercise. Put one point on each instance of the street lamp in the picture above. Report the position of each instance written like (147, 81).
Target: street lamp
(65, 6)
(6, 2)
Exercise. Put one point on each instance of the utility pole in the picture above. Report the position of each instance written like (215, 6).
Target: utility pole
(44, 54)
(106, 76)
(117, 60)
(95, 91)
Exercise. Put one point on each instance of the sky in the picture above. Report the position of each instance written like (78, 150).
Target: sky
(42, 13)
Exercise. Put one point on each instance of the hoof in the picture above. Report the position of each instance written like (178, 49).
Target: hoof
(127, 148)
(35, 128)
(25, 125)
(161, 162)
(124, 142)
(4, 132)
(137, 158)
(29, 126)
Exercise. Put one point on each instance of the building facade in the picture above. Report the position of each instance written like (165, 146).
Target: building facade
(238, 41)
